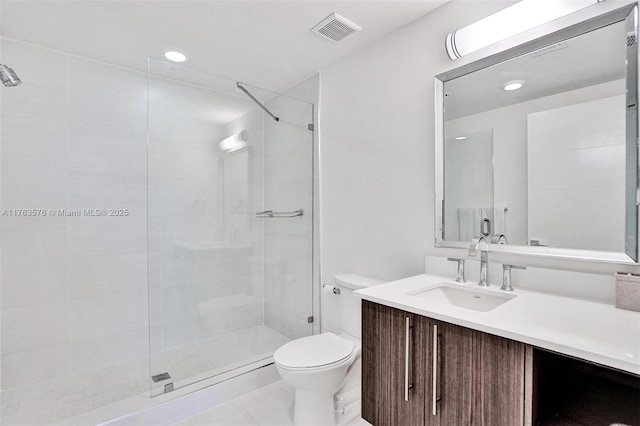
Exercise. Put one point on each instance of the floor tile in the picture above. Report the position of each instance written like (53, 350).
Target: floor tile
(228, 414)
(273, 409)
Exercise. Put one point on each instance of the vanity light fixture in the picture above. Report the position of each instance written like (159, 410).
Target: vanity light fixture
(175, 56)
(234, 142)
(515, 19)
(460, 138)
(512, 85)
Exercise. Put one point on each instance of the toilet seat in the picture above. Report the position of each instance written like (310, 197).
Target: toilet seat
(314, 352)
(345, 361)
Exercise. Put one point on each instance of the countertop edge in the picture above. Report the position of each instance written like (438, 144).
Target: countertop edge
(537, 341)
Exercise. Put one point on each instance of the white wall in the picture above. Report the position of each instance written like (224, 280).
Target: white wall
(377, 150)
(377, 164)
(74, 289)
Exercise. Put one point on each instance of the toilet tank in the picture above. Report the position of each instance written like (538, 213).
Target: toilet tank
(350, 305)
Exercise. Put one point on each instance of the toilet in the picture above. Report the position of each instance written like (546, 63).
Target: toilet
(319, 366)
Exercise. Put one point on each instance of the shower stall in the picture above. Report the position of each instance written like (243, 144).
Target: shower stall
(230, 223)
(157, 230)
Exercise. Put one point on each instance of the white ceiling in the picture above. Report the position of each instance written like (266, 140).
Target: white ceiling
(264, 43)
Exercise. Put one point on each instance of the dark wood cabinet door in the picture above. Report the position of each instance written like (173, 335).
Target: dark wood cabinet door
(393, 367)
(453, 388)
(500, 381)
(479, 378)
(376, 360)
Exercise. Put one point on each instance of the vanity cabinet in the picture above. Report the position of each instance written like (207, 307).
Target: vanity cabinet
(393, 366)
(456, 376)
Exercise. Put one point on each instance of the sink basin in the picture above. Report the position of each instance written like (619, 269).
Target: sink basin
(464, 296)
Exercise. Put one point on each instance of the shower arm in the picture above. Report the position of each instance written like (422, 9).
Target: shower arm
(254, 99)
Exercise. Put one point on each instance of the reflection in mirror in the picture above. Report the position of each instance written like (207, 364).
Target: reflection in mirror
(575, 179)
(556, 163)
(468, 184)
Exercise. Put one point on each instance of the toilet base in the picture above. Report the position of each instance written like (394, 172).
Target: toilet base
(314, 407)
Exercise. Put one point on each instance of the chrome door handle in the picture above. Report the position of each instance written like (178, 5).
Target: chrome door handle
(434, 371)
(406, 358)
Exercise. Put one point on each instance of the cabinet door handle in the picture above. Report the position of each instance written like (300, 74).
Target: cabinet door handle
(406, 358)
(434, 372)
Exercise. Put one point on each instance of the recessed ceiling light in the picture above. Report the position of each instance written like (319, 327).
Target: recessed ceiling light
(513, 85)
(461, 138)
(175, 56)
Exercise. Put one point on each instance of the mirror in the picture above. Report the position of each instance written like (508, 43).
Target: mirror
(537, 145)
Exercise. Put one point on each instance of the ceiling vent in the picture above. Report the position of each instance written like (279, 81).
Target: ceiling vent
(335, 28)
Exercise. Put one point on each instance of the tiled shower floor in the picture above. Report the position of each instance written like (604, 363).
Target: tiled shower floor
(50, 402)
(202, 360)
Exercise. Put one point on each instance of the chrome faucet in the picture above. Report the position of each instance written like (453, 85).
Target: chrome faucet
(484, 259)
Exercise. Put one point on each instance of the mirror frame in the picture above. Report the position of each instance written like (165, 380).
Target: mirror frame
(590, 19)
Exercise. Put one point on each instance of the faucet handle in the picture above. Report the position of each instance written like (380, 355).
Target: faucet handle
(506, 276)
(460, 275)
(506, 266)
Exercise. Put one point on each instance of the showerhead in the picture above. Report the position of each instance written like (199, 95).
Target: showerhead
(8, 76)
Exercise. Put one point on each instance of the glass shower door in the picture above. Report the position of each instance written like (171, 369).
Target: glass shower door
(228, 284)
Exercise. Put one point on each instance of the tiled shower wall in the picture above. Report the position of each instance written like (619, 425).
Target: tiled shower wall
(74, 293)
(243, 228)
(74, 288)
(184, 219)
(206, 263)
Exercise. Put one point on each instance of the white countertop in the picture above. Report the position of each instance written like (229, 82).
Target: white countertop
(593, 331)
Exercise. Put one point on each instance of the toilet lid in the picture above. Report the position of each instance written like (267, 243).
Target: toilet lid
(313, 351)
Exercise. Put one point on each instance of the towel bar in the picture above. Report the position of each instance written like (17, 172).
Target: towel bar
(271, 214)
